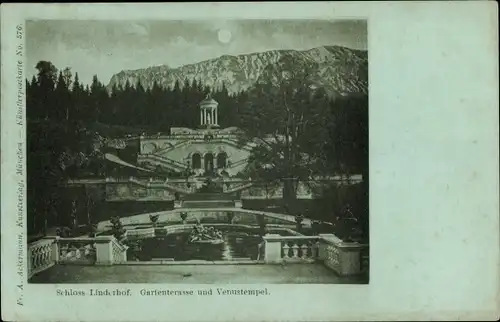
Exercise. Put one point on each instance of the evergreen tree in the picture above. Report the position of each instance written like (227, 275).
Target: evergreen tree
(139, 104)
(114, 106)
(62, 99)
(77, 99)
(95, 95)
(47, 77)
(33, 110)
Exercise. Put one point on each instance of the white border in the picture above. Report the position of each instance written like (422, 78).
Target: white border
(433, 171)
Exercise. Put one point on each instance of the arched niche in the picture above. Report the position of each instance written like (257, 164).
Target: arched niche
(196, 160)
(209, 162)
(149, 148)
(221, 160)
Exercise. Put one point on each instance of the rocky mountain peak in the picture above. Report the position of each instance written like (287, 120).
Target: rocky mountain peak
(338, 69)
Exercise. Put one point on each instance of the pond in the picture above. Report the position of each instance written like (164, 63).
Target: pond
(238, 244)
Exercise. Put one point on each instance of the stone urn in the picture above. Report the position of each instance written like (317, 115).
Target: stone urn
(184, 217)
(298, 222)
(230, 217)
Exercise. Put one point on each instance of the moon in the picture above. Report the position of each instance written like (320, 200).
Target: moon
(224, 36)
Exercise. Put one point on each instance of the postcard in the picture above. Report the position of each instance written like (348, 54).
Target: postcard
(305, 161)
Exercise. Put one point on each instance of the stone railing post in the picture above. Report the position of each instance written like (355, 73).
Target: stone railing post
(118, 252)
(41, 255)
(322, 254)
(177, 204)
(344, 258)
(54, 252)
(272, 248)
(104, 250)
(30, 262)
(350, 258)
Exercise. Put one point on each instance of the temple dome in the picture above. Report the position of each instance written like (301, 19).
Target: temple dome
(209, 101)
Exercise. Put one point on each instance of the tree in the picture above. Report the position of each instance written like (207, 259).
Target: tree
(283, 119)
(47, 77)
(62, 99)
(139, 102)
(68, 76)
(77, 97)
(33, 110)
(98, 100)
(347, 143)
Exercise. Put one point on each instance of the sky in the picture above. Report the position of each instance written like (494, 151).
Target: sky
(104, 48)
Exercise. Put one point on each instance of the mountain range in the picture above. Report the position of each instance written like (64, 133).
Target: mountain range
(337, 69)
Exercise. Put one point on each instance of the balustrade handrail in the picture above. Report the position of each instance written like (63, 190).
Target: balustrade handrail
(237, 163)
(238, 187)
(117, 244)
(41, 242)
(40, 256)
(298, 237)
(152, 184)
(334, 240)
(328, 239)
(175, 146)
(140, 231)
(161, 159)
(77, 239)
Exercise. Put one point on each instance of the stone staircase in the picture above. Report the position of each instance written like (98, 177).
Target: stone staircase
(209, 200)
(161, 161)
(208, 204)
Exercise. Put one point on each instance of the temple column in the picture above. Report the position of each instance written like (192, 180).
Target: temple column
(201, 116)
(215, 116)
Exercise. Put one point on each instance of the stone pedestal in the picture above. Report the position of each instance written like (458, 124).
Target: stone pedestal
(344, 258)
(272, 248)
(350, 259)
(104, 250)
(55, 250)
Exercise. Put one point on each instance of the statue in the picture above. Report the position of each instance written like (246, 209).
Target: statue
(201, 234)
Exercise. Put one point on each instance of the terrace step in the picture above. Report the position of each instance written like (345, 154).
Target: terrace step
(208, 197)
(208, 204)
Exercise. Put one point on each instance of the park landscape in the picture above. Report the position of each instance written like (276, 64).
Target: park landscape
(248, 168)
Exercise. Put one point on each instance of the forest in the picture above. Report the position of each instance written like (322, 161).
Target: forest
(60, 97)
(314, 132)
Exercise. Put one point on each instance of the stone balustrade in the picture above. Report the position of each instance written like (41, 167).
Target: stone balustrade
(279, 249)
(145, 157)
(141, 233)
(75, 250)
(343, 258)
(41, 255)
(236, 187)
(118, 252)
(101, 250)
